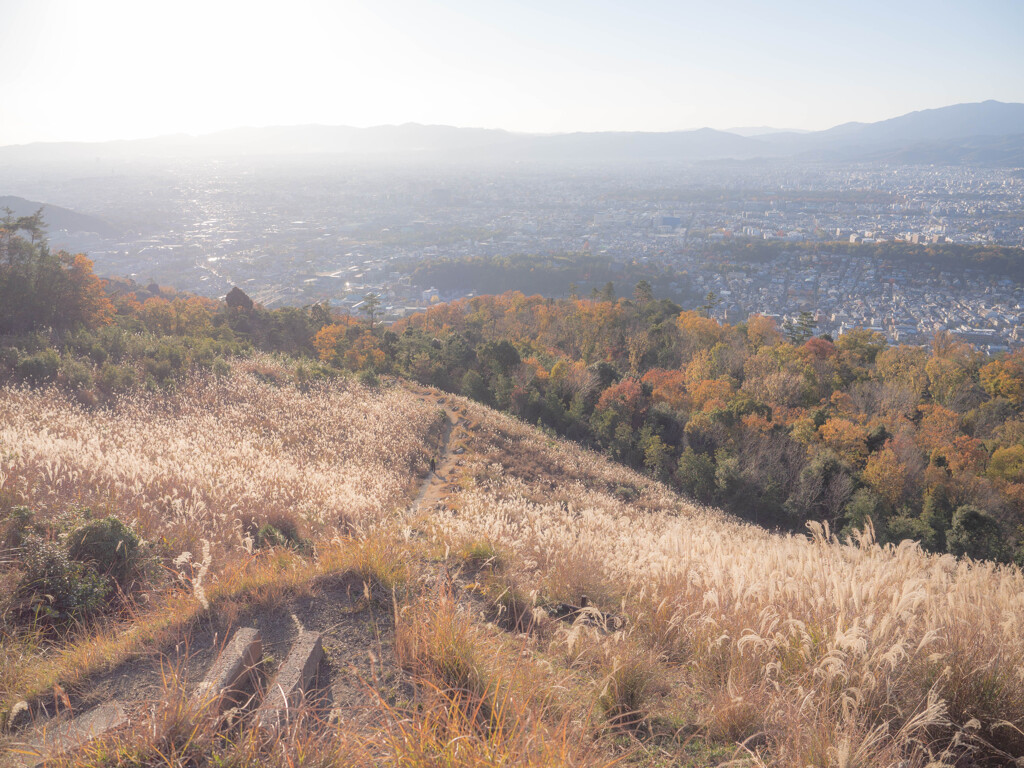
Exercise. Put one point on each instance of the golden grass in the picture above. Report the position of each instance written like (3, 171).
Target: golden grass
(201, 463)
(441, 733)
(31, 666)
(187, 471)
(833, 653)
(803, 649)
(467, 716)
(489, 690)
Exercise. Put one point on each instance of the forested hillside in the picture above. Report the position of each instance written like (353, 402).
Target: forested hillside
(779, 428)
(775, 425)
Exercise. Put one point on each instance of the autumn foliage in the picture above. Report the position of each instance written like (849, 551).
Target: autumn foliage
(773, 426)
(776, 430)
(39, 289)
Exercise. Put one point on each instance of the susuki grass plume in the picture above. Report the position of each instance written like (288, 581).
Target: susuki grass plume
(820, 649)
(217, 454)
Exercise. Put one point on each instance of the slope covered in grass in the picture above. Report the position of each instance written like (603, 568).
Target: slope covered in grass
(829, 652)
(217, 455)
(703, 639)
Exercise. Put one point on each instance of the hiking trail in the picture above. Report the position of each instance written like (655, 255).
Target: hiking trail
(442, 482)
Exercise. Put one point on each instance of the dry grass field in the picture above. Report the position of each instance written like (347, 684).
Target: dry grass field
(828, 652)
(705, 641)
(209, 459)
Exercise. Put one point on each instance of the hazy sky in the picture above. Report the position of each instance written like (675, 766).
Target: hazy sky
(105, 69)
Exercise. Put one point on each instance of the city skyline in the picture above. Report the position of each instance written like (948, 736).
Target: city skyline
(116, 70)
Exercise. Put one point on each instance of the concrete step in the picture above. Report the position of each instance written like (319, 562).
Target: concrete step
(232, 677)
(294, 681)
(62, 737)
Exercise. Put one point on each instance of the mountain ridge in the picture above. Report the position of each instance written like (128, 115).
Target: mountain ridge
(956, 126)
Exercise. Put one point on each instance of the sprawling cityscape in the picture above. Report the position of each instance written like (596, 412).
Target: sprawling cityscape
(302, 232)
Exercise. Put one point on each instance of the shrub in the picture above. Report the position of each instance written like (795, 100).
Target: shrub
(266, 374)
(864, 505)
(626, 493)
(75, 375)
(56, 588)
(40, 367)
(9, 358)
(975, 534)
(307, 373)
(696, 475)
(114, 378)
(221, 368)
(368, 379)
(108, 545)
(938, 514)
(480, 553)
(913, 528)
(282, 535)
(14, 528)
(474, 386)
(513, 608)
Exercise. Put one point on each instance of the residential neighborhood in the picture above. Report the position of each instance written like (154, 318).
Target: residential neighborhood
(299, 234)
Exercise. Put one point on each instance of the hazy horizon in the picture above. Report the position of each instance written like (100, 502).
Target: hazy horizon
(114, 69)
(751, 131)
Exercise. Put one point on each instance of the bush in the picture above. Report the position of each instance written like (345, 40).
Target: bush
(221, 369)
(474, 386)
(696, 475)
(55, 588)
(9, 357)
(626, 493)
(40, 367)
(114, 378)
(108, 545)
(75, 375)
(513, 607)
(368, 379)
(863, 505)
(975, 534)
(938, 514)
(15, 527)
(482, 553)
(914, 528)
(282, 532)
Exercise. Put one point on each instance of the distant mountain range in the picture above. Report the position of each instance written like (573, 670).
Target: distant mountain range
(987, 133)
(761, 130)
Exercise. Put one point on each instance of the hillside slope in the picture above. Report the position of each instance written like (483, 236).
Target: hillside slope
(58, 219)
(529, 601)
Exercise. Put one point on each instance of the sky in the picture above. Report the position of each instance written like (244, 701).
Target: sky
(94, 70)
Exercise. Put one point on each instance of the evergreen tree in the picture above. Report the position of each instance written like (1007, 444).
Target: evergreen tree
(802, 330)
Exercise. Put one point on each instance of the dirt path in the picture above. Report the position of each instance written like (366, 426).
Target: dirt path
(441, 482)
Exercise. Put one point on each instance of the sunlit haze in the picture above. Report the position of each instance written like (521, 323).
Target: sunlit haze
(121, 69)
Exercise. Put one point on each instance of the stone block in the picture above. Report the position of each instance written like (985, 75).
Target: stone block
(69, 735)
(294, 680)
(232, 676)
